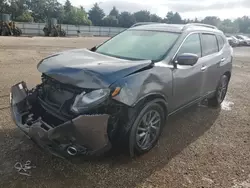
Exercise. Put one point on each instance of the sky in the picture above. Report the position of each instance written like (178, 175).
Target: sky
(187, 8)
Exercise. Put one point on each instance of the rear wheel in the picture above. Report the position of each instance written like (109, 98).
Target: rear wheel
(221, 92)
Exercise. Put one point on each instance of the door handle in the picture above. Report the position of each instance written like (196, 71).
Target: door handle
(203, 68)
(222, 60)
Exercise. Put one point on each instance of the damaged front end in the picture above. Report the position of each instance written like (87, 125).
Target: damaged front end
(46, 115)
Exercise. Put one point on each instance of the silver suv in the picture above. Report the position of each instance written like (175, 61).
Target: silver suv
(121, 92)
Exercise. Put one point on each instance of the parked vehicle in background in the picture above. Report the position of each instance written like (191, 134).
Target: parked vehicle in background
(121, 92)
(232, 41)
(244, 40)
(237, 41)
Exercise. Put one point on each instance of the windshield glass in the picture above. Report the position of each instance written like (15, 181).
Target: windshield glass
(138, 44)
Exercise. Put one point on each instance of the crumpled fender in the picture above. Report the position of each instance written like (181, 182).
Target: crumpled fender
(135, 87)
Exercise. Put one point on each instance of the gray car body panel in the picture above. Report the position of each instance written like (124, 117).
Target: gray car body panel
(178, 85)
(87, 69)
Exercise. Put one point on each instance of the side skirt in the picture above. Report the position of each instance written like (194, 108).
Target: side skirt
(196, 101)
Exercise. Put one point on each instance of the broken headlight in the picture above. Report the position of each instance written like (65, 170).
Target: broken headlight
(85, 100)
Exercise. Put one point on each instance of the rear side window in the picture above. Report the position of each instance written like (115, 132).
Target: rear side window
(221, 42)
(191, 45)
(209, 44)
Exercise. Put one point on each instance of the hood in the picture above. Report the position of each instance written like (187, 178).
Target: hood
(87, 69)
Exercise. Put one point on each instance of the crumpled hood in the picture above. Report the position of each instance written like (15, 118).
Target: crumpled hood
(87, 69)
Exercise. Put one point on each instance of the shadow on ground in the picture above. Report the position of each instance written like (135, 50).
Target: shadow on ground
(113, 170)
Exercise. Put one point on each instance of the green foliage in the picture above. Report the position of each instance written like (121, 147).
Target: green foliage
(43, 10)
(24, 17)
(114, 12)
(155, 18)
(67, 6)
(110, 21)
(142, 16)
(228, 26)
(243, 24)
(4, 6)
(37, 8)
(212, 20)
(96, 15)
(126, 19)
(173, 18)
(76, 16)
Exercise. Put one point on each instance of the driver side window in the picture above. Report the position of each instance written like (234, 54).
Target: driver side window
(192, 45)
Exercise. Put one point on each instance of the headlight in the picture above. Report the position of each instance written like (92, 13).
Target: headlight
(85, 101)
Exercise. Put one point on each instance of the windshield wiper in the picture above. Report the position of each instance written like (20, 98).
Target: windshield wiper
(122, 57)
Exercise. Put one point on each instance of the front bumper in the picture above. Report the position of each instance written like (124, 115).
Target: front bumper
(86, 133)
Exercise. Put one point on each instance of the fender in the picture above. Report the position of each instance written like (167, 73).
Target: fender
(145, 84)
(157, 96)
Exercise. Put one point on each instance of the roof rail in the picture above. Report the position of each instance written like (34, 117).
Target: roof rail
(143, 23)
(199, 24)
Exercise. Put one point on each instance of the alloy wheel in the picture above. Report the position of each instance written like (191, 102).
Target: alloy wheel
(148, 129)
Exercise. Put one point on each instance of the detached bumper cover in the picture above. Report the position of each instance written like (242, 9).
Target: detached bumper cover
(87, 133)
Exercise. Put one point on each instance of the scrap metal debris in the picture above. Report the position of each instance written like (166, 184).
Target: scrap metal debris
(22, 169)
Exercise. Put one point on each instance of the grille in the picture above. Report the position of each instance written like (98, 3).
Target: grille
(57, 97)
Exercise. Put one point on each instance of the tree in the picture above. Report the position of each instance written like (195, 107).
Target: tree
(67, 6)
(96, 15)
(13, 7)
(228, 26)
(42, 10)
(76, 16)
(110, 21)
(54, 9)
(126, 19)
(4, 6)
(142, 16)
(37, 8)
(173, 18)
(196, 20)
(243, 24)
(211, 20)
(177, 18)
(169, 17)
(24, 17)
(114, 12)
(155, 18)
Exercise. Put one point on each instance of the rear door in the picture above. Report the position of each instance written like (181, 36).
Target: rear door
(211, 58)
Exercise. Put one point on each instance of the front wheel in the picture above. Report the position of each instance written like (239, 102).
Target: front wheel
(146, 128)
(220, 93)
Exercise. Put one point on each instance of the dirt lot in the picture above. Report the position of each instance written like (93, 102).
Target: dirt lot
(202, 147)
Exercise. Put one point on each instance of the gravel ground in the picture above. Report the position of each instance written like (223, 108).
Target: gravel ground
(201, 147)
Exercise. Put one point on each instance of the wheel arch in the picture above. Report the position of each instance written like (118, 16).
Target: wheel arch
(228, 74)
(154, 98)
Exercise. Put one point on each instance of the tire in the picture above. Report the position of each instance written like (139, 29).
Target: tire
(220, 93)
(141, 131)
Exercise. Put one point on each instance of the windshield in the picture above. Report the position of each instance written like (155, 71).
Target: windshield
(139, 45)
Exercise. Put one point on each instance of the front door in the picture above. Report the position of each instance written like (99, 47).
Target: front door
(187, 80)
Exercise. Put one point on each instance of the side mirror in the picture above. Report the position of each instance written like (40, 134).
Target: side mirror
(186, 59)
(93, 49)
